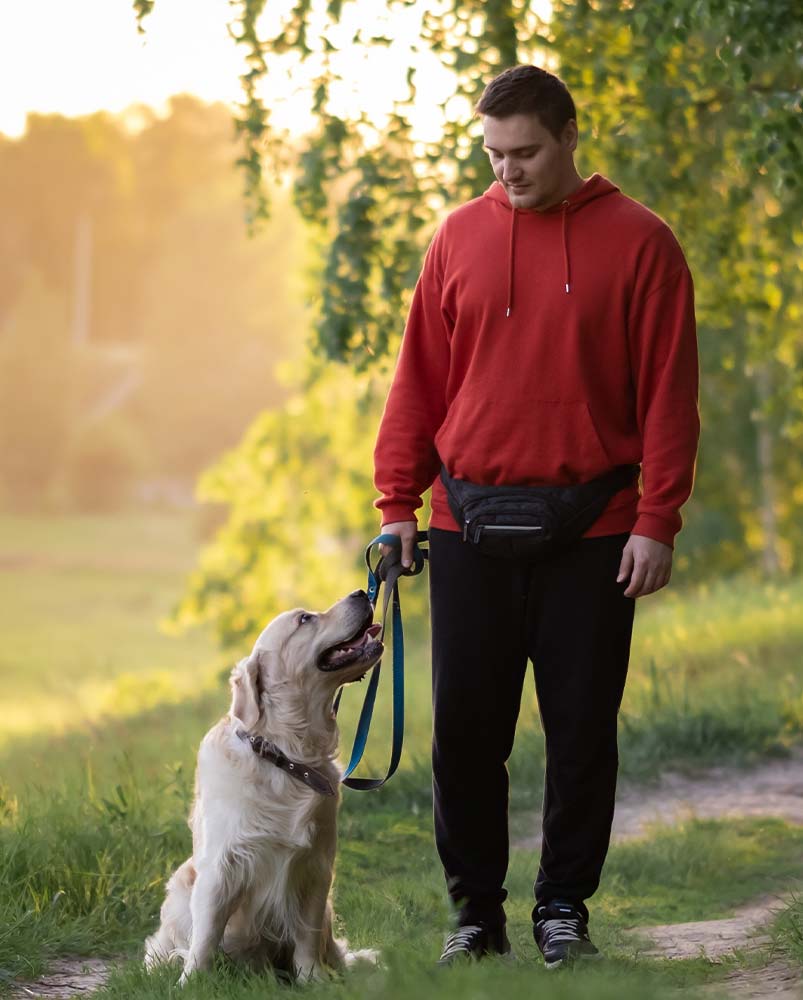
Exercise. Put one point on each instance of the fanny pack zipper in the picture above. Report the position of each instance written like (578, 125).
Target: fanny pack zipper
(498, 527)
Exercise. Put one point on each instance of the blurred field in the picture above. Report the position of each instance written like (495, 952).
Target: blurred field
(715, 671)
(81, 599)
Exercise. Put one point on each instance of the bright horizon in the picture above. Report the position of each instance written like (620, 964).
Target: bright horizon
(95, 59)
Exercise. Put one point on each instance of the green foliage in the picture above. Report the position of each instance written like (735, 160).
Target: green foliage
(298, 520)
(252, 120)
(674, 117)
(693, 108)
(142, 8)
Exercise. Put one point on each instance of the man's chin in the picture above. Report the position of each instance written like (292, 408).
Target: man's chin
(526, 199)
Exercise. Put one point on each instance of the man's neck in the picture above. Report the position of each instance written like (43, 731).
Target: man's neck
(572, 185)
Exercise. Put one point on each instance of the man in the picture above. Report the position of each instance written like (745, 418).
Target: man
(551, 337)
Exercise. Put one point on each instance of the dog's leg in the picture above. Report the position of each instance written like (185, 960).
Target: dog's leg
(334, 949)
(172, 938)
(316, 951)
(213, 901)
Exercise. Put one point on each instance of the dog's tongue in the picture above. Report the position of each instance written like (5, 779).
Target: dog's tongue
(368, 635)
(346, 651)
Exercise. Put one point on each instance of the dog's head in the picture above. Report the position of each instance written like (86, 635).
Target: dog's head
(300, 660)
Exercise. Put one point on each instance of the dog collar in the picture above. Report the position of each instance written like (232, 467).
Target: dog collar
(263, 748)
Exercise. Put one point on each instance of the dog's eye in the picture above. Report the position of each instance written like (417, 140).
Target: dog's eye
(305, 618)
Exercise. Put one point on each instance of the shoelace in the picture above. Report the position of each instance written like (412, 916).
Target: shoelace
(461, 939)
(557, 929)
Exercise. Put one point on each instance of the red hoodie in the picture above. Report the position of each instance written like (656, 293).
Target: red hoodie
(547, 348)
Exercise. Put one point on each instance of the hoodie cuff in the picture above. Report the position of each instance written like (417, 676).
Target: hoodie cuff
(655, 527)
(397, 512)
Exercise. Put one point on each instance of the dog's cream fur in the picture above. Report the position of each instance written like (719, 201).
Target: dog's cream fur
(258, 882)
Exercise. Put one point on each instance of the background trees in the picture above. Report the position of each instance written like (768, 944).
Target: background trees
(692, 107)
(139, 325)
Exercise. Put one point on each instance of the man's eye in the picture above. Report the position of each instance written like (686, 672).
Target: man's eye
(305, 618)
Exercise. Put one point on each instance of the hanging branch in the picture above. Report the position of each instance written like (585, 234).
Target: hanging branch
(251, 121)
(141, 10)
(371, 193)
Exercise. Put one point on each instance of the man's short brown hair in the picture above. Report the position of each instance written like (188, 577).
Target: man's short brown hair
(528, 90)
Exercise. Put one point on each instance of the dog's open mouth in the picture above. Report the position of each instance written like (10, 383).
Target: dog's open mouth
(364, 646)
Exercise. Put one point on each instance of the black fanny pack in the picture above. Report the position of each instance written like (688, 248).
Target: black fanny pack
(516, 521)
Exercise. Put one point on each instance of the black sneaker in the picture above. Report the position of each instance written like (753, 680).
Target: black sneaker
(561, 933)
(472, 942)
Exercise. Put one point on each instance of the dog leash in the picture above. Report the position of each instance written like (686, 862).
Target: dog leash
(388, 570)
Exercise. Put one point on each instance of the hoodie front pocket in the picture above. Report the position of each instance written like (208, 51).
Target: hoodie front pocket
(567, 446)
(510, 440)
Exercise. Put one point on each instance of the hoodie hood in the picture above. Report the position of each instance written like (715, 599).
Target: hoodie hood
(595, 187)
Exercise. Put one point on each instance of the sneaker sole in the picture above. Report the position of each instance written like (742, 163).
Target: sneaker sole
(571, 959)
(508, 957)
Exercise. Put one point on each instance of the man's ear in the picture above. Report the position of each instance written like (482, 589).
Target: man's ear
(245, 691)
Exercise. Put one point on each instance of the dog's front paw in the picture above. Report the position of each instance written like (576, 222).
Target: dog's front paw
(185, 975)
(370, 955)
(310, 972)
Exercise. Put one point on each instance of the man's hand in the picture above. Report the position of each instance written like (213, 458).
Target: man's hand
(648, 563)
(407, 531)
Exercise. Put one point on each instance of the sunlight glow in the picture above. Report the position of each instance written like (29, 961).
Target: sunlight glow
(77, 58)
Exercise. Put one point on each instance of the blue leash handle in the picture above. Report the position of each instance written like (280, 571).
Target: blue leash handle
(391, 564)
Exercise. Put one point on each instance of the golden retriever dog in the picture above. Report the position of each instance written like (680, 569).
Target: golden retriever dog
(264, 817)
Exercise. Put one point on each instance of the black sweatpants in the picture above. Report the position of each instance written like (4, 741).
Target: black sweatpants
(568, 615)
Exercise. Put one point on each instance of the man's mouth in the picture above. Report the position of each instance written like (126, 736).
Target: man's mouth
(363, 646)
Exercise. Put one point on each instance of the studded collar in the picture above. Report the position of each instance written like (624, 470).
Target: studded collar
(311, 777)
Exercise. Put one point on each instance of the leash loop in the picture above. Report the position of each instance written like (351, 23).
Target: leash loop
(387, 571)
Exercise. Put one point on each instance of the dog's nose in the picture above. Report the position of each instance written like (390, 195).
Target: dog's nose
(359, 594)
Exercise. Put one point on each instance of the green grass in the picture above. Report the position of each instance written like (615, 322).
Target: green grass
(84, 873)
(81, 599)
(789, 929)
(103, 712)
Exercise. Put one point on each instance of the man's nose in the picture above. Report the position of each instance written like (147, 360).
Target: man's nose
(510, 171)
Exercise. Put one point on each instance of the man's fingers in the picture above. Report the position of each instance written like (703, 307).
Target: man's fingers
(636, 581)
(650, 582)
(407, 551)
(646, 579)
(625, 566)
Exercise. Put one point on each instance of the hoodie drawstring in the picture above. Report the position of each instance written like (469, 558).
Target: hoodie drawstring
(566, 245)
(512, 257)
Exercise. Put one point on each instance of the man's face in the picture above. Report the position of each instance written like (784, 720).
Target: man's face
(536, 169)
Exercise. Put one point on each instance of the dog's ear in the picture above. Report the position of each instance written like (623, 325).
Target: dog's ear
(245, 691)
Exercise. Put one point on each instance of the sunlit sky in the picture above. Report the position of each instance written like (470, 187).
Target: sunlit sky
(76, 56)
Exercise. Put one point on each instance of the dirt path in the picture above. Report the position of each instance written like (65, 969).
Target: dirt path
(713, 939)
(774, 788)
(717, 940)
(67, 977)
